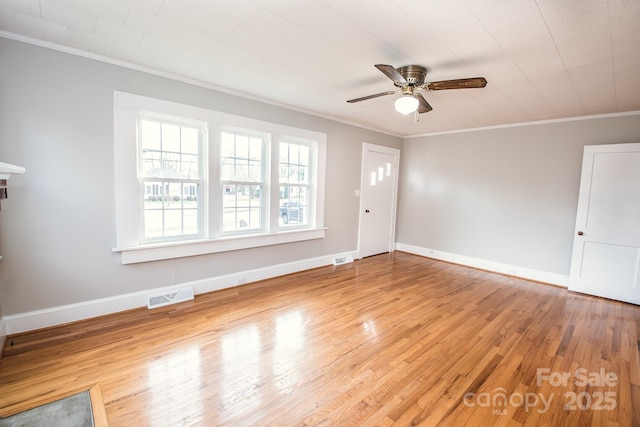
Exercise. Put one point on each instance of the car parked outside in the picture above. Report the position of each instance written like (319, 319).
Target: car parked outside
(292, 212)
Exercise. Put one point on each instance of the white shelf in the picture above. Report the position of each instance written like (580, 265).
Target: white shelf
(6, 169)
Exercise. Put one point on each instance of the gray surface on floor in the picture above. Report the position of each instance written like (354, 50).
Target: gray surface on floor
(72, 411)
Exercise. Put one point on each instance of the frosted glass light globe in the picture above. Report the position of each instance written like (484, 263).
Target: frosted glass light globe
(406, 104)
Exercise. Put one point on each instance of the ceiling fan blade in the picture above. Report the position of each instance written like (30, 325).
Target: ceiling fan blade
(364, 98)
(474, 82)
(391, 72)
(423, 105)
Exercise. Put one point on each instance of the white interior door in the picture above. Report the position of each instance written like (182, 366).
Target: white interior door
(606, 248)
(378, 199)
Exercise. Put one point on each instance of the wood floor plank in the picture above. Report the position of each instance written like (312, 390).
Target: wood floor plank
(393, 339)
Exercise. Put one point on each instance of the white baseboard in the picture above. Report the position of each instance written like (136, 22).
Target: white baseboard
(496, 267)
(29, 321)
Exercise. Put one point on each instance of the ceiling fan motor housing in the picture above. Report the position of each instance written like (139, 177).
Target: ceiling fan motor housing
(413, 74)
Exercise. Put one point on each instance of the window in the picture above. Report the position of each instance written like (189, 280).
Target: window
(169, 178)
(242, 177)
(295, 186)
(192, 181)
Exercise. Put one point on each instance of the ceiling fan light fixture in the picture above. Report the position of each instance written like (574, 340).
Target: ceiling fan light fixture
(406, 104)
(411, 79)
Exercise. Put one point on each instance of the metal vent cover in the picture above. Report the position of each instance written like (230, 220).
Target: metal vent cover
(160, 300)
(342, 259)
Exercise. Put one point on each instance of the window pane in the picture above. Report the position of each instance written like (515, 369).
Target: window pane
(294, 205)
(190, 221)
(243, 218)
(255, 218)
(190, 196)
(255, 171)
(294, 153)
(172, 222)
(170, 162)
(153, 195)
(304, 155)
(242, 170)
(303, 174)
(242, 146)
(294, 163)
(161, 150)
(228, 196)
(255, 148)
(150, 135)
(170, 137)
(228, 219)
(284, 152)
(189, 140)
(170, 209)
(241, 158)
(227, 169)
(174, 196)
(242, 208)
(189, 165)
(152, 223)
(227, 146)
(151, 163)
(292, 175)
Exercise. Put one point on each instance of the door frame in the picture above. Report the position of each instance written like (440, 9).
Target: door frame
(366, 148)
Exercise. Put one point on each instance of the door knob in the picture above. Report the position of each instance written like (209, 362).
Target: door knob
(580, 233)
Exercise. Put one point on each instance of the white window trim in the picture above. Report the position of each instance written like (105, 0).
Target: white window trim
(168, 250)
(126, 109)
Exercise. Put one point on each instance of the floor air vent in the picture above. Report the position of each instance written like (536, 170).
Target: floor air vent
(155, 301)
(339, 260)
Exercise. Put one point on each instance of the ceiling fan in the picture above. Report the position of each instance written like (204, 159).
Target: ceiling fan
(410, 79)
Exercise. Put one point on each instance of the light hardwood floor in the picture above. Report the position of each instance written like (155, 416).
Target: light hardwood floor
(394, 339)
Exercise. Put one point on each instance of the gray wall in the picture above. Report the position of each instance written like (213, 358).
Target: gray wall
(505, 195)
(57, 228)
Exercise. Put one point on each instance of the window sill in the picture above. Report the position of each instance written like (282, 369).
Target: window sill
(156, 252)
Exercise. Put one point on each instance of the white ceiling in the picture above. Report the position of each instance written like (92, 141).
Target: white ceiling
(543, 59)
